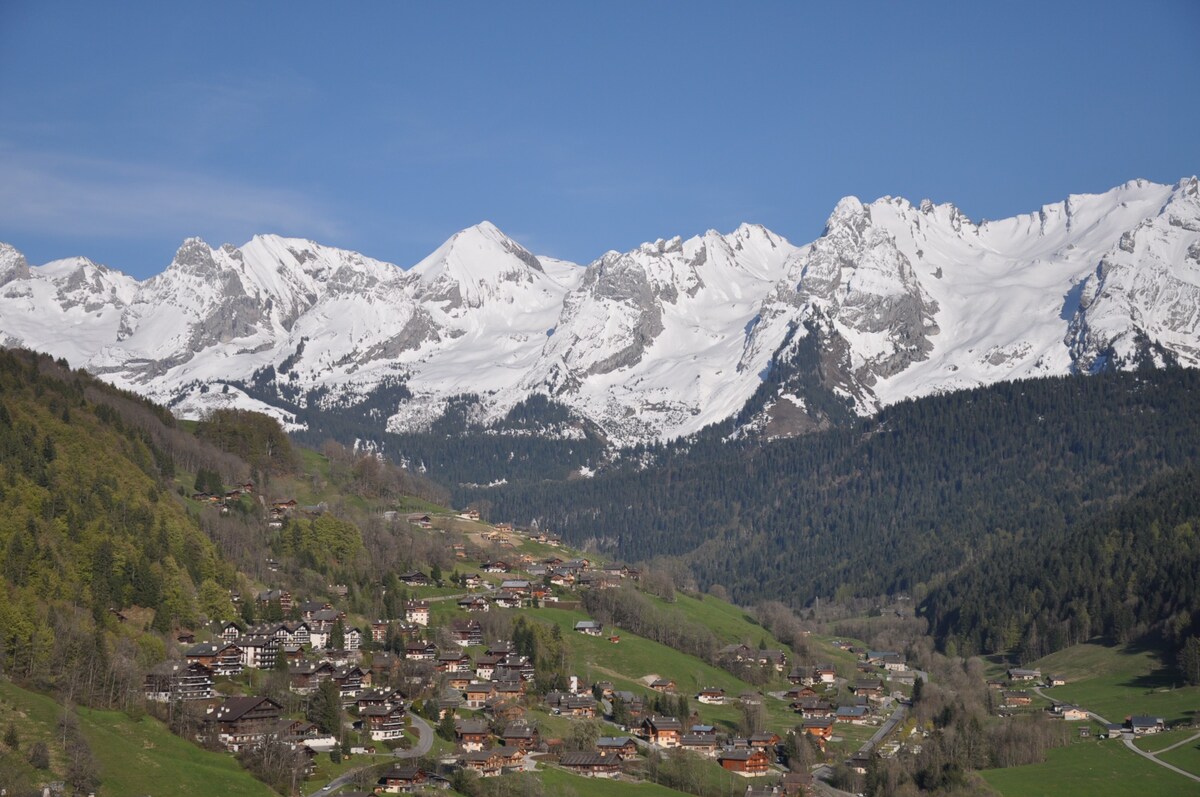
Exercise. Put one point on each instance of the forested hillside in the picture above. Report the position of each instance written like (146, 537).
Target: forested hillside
(87, 527)
(890, 505)
(1128, 572)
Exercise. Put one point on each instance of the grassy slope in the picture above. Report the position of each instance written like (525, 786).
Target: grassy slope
(1118, 682)
(1088, 769)
(138, 757)
(560, 782)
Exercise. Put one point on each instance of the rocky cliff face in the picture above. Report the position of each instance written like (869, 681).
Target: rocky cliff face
(893, 300)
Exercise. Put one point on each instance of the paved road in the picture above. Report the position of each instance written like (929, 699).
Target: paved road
(1154, 756)
(1129, 741)
(424, 745)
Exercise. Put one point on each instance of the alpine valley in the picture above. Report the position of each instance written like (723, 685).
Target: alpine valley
(893, 300)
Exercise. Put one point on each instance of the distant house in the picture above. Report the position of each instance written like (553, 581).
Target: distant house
(747, 763)
(521, 736)
(591, 764)
(1072, 713)
(819, 728)
(175, 680)
(471, 734)
(663, 685)
(1055, 680)
(713, 695)
(701, 744)
(825, 673)
(1019, 674)
(385, 722)
(222, 658)
(589, 627)
(661, 731)
(622, 746)
(242, 721)
(1142, 725)
(415, 578)
(402, 780)
(417, 612)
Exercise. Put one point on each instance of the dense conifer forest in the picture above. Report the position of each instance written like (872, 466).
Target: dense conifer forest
(889, 504)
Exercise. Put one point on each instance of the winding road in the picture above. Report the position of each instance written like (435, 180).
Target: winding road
(1130, 739)
(424, 745)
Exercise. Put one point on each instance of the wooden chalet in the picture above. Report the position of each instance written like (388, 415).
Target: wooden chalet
(591, 764)
(661, 731)
(243, 721)
(176, 680)
(748, 763)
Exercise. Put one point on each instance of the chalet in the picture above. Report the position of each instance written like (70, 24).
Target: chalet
(1016, 697)
(308, 609)
(477, 694)
(417, 612)
(1072, 713)
(771, 658)
(458, 680)
(259, 652)
(799, 693)
(369, 698)
(634, 703)
(1019, 674)
(485, 665)
(242, 721)
(703, 730)
(1114, 730)
(176, 680)
(591, 764)
(472, 581)
(663, 685)
(750, 698)
(402, 780)
(379, 630)
(855, 715)
(700, 744)
(903, 677)
(801, 676)
(713, 695)
(813, 708)
(382, 723)
(420, 520)
(1055, 680)
(1142, 725)
(736, 652)
(496, 566)
(661, 731)
(825, 673)
(519, 735)
(619, 746)
(350, 681)
(306, 676)
(589, 627)
(870, 688)
(222, 658)
(471, 734)
(453, 661)
(764, 741)
(578, 706)
(473, 603)
(605, 688)
(818, 728)
(282, 597)
(415, 578)
(519, 586)
(487, 763)
(506, 599)
(467, 632)
(420, 650)
(229, 631)
(748, 763)
(514, 668)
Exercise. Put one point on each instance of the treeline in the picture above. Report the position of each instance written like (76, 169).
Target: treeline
(1129, 572)
(888, 505)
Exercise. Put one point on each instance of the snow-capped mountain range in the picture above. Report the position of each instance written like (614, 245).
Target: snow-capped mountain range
(894, 300)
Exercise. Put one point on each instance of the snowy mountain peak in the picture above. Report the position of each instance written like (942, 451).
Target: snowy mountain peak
(468, 268)
(891, 301)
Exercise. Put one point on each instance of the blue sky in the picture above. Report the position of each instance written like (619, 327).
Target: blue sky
(575, 127)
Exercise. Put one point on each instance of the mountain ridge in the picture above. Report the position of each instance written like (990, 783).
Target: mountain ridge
(654, 343)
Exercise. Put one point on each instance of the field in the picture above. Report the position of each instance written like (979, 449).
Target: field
(135, 757)
(564, 783)
(1087, 769)
(1117, 682)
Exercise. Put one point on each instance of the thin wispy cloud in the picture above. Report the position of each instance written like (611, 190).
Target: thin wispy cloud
(44, 192)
